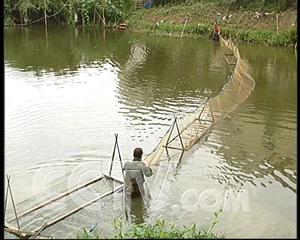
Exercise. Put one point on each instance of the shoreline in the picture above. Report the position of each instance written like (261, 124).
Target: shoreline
(196, 20)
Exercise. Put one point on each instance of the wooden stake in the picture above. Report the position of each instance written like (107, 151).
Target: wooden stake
(202, 110)
(94, 17)
(179, 134)
(277, 23)
(113, 155)
(212, 114)
(120, 160)
(45, 12)
(41, 229)
(103, 18)
(13, 202)
(6, 196)
(184, 26)
(57, 197)
(116, 146)
(171, 130)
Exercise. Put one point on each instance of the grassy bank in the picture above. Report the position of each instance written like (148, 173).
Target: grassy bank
(160, 229)
(247, 23)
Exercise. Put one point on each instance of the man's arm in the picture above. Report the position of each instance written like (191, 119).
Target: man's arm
(147, 170)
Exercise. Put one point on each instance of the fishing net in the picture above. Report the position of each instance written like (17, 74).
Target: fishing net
(185, 132)
(181, 135)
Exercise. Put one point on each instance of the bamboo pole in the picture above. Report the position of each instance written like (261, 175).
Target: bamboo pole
(45, 12)
(116, 146)
(5, 204)
(174, 148)
(182, 130)
(39, 231)
(20, 234)
(113, 155)
(202, 134)
(81, 207)
(277, 23)
(103, 18)
(57, 197)
(21, 18)
(13, 202)
(212, 114)
(94, 17)
(171, 130)
(179, 134)
(113, 178)
(184, 26)
(120, 160)
(23, 234)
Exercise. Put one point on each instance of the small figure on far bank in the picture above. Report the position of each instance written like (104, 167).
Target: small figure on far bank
(216, 31)
(134, 174)
(122, 25)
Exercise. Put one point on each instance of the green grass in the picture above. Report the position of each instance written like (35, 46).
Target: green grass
(160, 229)
(285, 37)
(241, 27)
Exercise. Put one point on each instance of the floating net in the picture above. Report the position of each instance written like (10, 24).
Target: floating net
(185, 132)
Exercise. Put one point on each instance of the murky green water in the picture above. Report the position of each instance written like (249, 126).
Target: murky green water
(68, 91)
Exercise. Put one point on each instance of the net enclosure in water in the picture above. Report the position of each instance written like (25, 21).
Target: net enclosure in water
(181, 135)
(185, 132)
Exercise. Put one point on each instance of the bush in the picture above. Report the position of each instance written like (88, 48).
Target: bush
(286, 37)
(259, 36)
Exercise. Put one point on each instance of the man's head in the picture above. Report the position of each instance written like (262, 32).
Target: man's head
(137, 153)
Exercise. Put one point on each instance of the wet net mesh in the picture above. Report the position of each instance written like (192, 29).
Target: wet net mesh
(185, 132)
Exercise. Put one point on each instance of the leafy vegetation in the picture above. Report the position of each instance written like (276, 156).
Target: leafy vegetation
(263, 5)
(106, 12)
(89, 12)
(167, 17)
(157, 230)
(285, 37)
(251, 21)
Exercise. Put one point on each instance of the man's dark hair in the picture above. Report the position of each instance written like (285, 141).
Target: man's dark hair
(138, 152)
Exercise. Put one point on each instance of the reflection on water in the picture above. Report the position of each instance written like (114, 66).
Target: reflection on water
(67, 91)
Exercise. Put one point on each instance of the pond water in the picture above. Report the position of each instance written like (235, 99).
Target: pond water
(68, 92)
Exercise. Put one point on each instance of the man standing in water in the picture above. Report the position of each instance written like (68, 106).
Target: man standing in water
(134, 174)
(216, 32)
